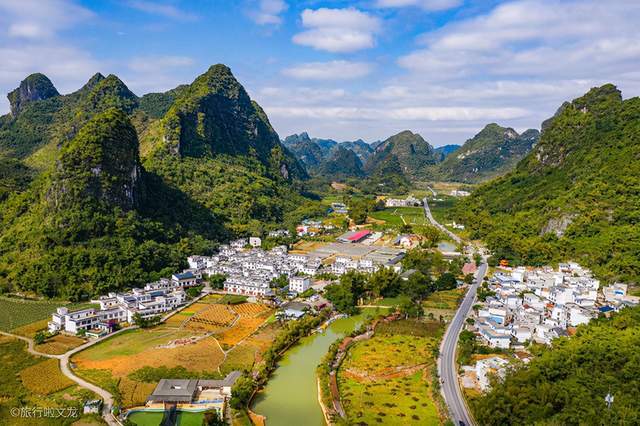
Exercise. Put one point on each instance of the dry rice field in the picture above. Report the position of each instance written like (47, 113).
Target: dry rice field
(59, 344)
(212, 316)
(44, 378)
(120, 356)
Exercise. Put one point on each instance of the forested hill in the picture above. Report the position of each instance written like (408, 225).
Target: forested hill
(567, 384)
(101, 189)
(406, 154)
(492, 152)
(576, 195)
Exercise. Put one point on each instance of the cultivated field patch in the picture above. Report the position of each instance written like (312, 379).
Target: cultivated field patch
(15, 313)
(59, 344)
(386, 379)
(44, 378)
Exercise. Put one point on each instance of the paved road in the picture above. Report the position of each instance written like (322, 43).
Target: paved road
(427, 213)
(447, 369)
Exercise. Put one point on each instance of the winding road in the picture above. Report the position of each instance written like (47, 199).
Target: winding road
(107, 398)
(447, 368)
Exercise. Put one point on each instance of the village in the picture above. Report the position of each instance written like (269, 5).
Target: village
(518, 306)
(515, 306)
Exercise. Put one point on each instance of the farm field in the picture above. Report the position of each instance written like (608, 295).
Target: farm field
(195, 340)
(387, 379)
(15, 313)
(59, 344)
(31, 381)
(393, 216)
(447, 299)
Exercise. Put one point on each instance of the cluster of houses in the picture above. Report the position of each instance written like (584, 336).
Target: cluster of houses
(542, 304)
(154, 299)
(251, 271)
(460, 193)
(312, 228)
(410, 201)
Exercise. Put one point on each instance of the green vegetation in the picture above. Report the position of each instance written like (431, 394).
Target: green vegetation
(105, 219)
(386, 379)
(18, 386)
(354, 287)
(399, 216)
(567, 384)
(574, 196)
(492, 152)
(16, 312)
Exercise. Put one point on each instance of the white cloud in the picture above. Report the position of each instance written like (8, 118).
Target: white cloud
(32, 42)
(398, 114)
(33, 19)
(160, 9)
(431, 5)
(267, 12)
(332, 70)
(338, 30)
(562, 39)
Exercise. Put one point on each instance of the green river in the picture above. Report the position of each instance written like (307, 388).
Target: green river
(291, 396)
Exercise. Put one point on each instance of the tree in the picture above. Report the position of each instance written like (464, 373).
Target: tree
(418, 286)
(212, 418)
(216, 281)
(39, 337)
(242, 390)
(383, 282)
(341, 297)
(411, 309)
(280, 282)
(468, 278)
(446, 281)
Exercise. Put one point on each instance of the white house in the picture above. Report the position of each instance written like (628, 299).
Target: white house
(185, 279)
(299, 284)
(255, 241)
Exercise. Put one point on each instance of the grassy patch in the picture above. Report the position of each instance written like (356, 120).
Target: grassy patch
(447, 299)
(232, 299)
(410, 327)
(396, 401)
(387, 379)
(398, 216)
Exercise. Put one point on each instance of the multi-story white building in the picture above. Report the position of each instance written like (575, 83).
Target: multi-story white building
(118, 307)
(299, 284)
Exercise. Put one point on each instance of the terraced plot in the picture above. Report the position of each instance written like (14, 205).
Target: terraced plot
(387, 379)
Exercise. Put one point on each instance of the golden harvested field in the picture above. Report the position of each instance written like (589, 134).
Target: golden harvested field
(134, 393)
(59, 344)
(244, 327)
(249, 351)
(249, 309)
(134, 349)
(44, 378)
(30, 330)
(212, 317)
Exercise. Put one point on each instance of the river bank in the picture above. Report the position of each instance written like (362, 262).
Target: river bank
(291, 395)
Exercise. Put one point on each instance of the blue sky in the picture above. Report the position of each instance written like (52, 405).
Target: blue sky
(341, 69)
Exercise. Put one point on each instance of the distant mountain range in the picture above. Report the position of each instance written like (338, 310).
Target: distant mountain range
(493, 151)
